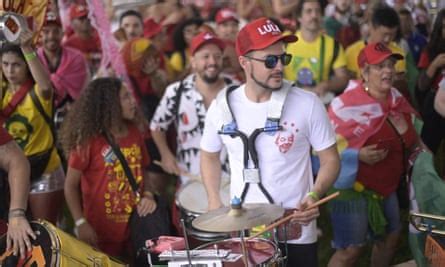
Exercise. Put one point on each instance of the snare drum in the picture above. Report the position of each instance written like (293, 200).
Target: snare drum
(192, 201)
(53, 247)
(261, 252)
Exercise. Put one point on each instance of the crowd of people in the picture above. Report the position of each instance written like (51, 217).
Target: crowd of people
(291, 99)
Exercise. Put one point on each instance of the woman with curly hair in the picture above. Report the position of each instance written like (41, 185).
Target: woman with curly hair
(102, 204)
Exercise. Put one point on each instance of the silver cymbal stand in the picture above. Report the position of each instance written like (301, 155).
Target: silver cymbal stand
(187, 247)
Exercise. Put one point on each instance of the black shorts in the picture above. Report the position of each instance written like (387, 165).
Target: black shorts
(300, 255)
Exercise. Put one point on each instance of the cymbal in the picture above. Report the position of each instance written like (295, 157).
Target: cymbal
(227, 219)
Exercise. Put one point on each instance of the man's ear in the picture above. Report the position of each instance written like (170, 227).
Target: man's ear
(243, 61)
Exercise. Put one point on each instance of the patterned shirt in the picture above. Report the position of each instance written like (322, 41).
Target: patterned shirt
(187, 111)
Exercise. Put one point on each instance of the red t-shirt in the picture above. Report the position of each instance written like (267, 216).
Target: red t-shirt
(384, 176)
(107, 197)
(424, 62)
(91, 48)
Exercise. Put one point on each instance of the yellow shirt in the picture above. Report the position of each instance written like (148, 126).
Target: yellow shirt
(29, 129)
(353, 51)
(307, 59)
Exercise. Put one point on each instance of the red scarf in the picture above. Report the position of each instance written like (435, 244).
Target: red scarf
(356, 116)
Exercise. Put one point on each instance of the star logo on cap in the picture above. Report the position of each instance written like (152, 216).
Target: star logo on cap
(227, 13)
(208, 36)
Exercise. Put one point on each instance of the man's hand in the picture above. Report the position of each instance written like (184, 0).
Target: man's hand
(147, 205)
(215, 204)
(18, 235)
(303, 215)
(87, 234)
(170, 165)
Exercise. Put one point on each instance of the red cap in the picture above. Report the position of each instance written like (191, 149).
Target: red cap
(151, 28)
(375, 53)
(226, 14)
(78, 11)
(51, 17)
(205, 38)
(260, 34)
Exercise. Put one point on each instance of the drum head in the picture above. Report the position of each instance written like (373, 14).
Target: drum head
(192, 197)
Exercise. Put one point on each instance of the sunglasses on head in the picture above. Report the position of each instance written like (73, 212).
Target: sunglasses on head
(271, 61)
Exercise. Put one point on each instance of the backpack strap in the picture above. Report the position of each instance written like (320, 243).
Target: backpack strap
(117, 151)
(335, 53)
(42, 112)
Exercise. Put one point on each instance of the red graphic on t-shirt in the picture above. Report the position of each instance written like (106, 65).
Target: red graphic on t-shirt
(285, 139)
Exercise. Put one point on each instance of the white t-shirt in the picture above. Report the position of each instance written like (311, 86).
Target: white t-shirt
(284, 157)
(189, 116)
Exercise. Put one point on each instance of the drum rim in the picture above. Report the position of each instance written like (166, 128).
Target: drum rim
(55, 241)
(274, 258)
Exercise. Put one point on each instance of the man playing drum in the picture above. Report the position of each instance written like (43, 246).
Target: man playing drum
(277, 124)
(185, 103)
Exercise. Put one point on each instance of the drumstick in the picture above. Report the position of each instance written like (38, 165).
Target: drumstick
(287, 218)
(182, 172)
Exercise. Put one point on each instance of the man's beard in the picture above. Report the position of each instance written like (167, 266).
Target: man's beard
(210, 79)
(263, 85)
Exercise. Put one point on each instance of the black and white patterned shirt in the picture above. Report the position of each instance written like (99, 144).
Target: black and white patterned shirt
(189, 117)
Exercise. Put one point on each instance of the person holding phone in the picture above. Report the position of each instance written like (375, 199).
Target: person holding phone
(374, 128)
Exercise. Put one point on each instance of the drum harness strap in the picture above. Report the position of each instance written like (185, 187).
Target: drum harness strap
(272, 125)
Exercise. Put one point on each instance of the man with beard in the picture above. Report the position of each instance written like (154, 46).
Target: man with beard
(318, 61)
(85, 38)
(281, 123)
(185, 103)
(67, 67)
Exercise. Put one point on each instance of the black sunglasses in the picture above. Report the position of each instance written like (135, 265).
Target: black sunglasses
(271, 61)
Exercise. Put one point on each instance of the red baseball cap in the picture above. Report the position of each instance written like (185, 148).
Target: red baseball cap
(51, 17)
(78, 11)
(375, 53)
(205, 38)
(260, 34)
(151, 28)
(226, 14)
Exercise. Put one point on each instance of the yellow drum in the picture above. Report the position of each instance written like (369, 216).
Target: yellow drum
(53, 247)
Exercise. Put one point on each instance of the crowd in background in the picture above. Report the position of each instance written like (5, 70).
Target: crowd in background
(153, 47)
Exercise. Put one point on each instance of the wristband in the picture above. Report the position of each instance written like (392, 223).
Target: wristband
(314, 195)
(30, 56)
(14, 213)
(80, 221)
(148, 194)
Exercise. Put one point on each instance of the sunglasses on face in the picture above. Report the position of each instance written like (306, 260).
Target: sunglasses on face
(271, 61)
